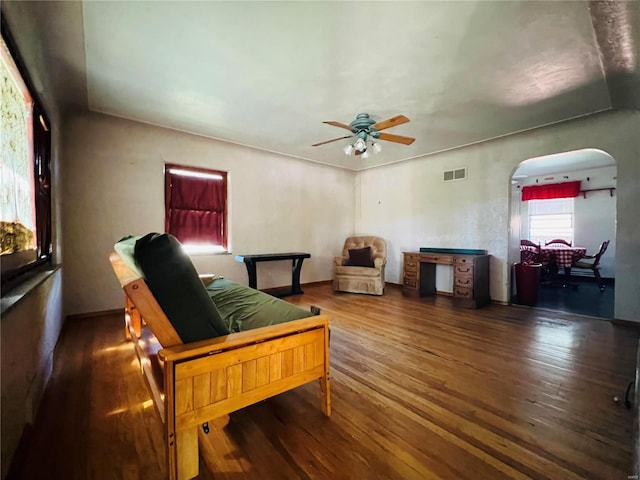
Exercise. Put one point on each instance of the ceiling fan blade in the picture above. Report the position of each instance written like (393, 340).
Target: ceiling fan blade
(329, 141)
(341, 125)
(391, 122)
(396, 138)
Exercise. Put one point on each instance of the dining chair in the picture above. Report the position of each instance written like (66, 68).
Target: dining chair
(593, 266)
(557, 242)
(529, 251)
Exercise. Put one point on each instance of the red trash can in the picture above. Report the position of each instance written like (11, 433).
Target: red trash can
(527, 282)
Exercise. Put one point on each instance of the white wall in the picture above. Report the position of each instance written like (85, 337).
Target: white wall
(114, 186)
(409, 205)
(594, 214)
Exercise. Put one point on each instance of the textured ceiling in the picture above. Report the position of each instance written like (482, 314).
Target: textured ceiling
(267, 74)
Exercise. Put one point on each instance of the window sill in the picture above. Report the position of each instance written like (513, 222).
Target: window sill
(14, 296)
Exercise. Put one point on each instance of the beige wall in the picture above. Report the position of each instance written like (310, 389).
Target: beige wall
(114, 186)
(408, 204)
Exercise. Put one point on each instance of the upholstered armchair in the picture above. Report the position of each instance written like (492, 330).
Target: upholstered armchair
(360, 269)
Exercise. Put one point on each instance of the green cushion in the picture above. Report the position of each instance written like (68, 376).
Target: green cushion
(175, 284)
(245, 308)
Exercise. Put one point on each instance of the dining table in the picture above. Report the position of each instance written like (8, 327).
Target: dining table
(563, 256)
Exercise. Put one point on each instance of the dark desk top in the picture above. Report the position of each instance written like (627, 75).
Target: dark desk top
(453, 251)
(267, 257)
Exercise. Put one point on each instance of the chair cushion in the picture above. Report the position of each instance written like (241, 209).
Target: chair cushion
(360, 257)
(357, 271)
(175, 284)
(586, 265)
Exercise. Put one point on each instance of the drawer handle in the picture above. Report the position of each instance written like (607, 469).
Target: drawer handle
(467, 270)
(465, 282)
(461, 293)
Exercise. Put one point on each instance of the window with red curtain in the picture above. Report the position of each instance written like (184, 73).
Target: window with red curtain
(196, 207)
(551, 190)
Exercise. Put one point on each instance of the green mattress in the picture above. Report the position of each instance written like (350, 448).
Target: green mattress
(243, 308)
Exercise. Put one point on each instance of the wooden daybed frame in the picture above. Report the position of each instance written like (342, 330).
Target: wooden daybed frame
(201, 382)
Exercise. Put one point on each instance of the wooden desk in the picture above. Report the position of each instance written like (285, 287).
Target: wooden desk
(296, 257)
(470, 276)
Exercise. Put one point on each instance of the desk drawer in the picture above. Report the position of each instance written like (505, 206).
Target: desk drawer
(436, 258)
(411, 257)
(464, 269)
(463, 281)
(411, 265)
(463, 292)
(410, 274)
(464, 260)
(410, 282)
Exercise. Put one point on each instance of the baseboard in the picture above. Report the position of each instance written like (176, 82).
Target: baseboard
(626, 324)
(90, 315)
(313, 284)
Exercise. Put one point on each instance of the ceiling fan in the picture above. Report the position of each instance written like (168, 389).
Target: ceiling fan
(364, 129)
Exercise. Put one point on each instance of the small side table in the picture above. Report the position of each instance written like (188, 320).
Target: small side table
(296, 257)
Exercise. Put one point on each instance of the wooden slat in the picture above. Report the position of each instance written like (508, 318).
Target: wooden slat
(275, 367)
(262, 371)
(234, 381)
(249, 375)
(201, 390)
(218, 384)
(287, 363)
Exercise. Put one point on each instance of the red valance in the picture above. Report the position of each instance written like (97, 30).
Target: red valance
(552, 190)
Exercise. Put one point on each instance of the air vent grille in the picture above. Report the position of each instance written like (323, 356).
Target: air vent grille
(455, 174)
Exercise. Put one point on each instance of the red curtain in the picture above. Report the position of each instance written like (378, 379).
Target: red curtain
(553, 190)
(195, 210)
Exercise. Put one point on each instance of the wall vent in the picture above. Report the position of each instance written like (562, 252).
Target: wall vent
(455, 174)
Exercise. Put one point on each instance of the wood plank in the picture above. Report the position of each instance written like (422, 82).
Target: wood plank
(249, 375)
(420, 389)
(218, 384)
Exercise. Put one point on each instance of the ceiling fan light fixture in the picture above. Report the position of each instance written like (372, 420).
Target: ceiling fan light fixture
(348, 150)
(360, 144)
(365, 153)
(376, 148)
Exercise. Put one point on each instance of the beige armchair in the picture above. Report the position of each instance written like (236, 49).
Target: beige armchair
(361, 270)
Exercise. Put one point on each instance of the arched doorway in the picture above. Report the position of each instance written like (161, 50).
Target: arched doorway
(592, 217)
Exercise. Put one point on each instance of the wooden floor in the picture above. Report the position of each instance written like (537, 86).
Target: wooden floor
(420, 390)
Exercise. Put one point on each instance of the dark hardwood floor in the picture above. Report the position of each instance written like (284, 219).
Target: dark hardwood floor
(420, 389)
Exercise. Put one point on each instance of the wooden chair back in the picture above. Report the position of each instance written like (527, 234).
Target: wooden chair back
(529, 252)
(557, 242)
(601, 250)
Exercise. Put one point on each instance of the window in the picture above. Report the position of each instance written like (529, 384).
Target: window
(196, 208)
(549, 219)
(25, 179)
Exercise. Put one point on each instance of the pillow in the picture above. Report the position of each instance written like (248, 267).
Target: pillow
(175, 284)
(360, 257)
(124, 249)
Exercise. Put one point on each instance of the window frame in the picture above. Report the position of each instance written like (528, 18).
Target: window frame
(41, 163)
(190, 249)
(542, 239)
